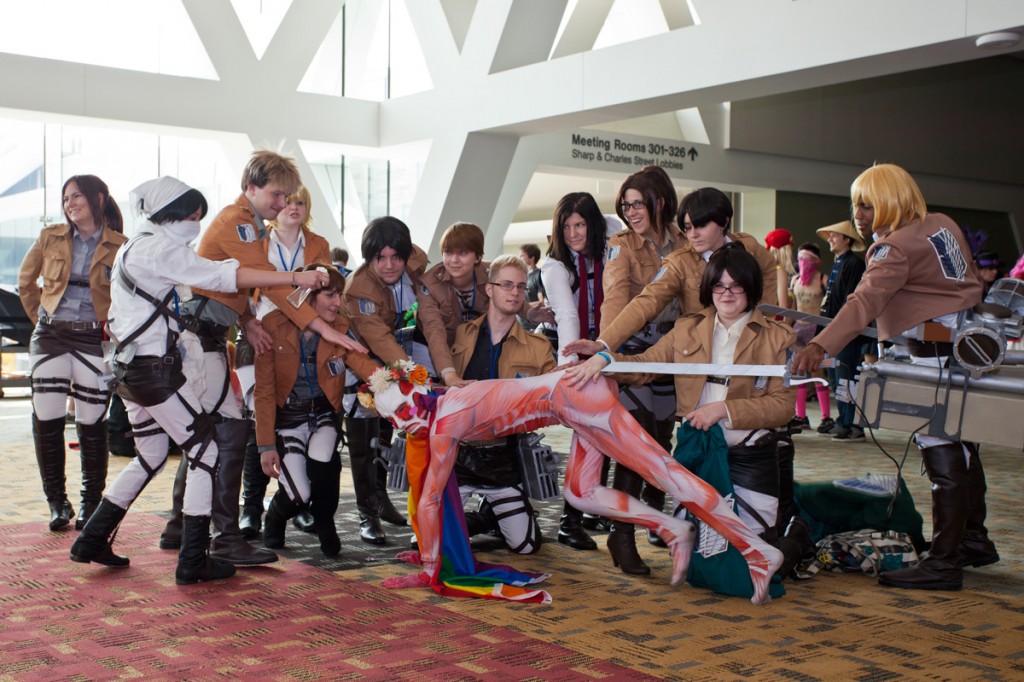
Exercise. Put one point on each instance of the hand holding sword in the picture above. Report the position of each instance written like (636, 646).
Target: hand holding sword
(602, 363)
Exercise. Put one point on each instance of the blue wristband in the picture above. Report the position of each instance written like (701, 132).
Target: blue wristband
(602, 354)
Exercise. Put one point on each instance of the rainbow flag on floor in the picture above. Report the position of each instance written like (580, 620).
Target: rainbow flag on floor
(459, 573)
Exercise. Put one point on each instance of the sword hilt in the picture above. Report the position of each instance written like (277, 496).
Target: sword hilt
(790, 379)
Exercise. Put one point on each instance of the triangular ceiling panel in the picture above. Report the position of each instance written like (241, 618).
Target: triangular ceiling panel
(631, 20)
(323, 77)
(168, 45)
(459, 14)
(409, 73)
(260, 20)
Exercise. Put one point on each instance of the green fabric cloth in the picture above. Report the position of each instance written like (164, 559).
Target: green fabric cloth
(831, 510)
(715, 564)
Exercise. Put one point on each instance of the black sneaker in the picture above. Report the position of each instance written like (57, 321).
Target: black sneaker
(852, 434)
(826, 425)
(799, 423)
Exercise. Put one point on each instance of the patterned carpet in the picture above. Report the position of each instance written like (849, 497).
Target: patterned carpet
(286, 621)
(308, 617)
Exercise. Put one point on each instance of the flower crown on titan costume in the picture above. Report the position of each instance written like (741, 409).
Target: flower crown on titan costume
(411, 380)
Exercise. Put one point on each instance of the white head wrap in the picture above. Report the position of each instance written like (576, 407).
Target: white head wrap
(153, 195)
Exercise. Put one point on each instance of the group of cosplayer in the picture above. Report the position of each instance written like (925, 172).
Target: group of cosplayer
(442, 354)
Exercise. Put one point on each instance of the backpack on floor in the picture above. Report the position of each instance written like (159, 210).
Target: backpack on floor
(863, 551)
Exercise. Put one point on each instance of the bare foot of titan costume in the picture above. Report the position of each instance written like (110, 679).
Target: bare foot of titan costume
(488, 410)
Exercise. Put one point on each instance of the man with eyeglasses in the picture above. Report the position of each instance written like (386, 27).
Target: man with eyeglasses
(496, 346)
(704, 216)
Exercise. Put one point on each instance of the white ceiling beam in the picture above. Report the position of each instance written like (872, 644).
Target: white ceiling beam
(583, 27)
(123, 95)
(223, 37)
(730, 55)
(528, 34)
(441, 32)
(296, 42)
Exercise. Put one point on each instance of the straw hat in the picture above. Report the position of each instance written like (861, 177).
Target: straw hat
(846, 229)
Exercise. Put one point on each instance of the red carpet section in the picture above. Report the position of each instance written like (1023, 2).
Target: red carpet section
(62, 620)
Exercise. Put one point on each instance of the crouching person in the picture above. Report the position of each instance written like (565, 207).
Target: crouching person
(496, 346)
(152, 274)
(299, 384)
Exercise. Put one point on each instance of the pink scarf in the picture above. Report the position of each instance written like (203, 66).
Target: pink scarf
(808, 267)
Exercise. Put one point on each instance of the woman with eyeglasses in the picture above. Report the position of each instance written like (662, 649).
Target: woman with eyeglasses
(572, 276)
(729, 420)
(74, 260)
(705, 216)
(647, 204)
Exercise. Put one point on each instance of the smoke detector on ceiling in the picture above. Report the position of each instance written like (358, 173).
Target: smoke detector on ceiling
(997, 41)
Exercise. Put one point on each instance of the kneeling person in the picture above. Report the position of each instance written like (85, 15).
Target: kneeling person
(299, 383)
(496, 346)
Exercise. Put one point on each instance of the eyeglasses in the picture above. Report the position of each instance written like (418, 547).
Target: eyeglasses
(635, 205)
(509, 286)
(731, 288)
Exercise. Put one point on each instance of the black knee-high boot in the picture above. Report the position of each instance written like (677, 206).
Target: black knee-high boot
(324, 483)
(92, 439)
(48, 437)
(281, 509)
(194, 562)
(940, 570)
(976, 549)
(254, 489)
(361, 455)
(622, 538)
(792, 530)
(170, 538)
(385, 508)
(95, 540)
(570, 529)
(228, 544)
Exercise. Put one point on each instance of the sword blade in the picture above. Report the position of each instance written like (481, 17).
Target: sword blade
(819, 320)
(708, 369)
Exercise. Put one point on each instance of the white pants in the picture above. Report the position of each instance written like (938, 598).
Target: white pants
(300, 443)
(514, 519)
(151, 427)
(206, 373)
(930, 441)
(204, 391)
(53, 377)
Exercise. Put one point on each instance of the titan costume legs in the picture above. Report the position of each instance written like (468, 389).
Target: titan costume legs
(53, 378)
(653, 407)
(600, 424)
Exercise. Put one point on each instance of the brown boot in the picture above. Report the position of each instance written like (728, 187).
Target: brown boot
(228, 543)
(940, 570)
(976, 549)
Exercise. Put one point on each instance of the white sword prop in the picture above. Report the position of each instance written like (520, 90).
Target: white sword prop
(710, 369)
